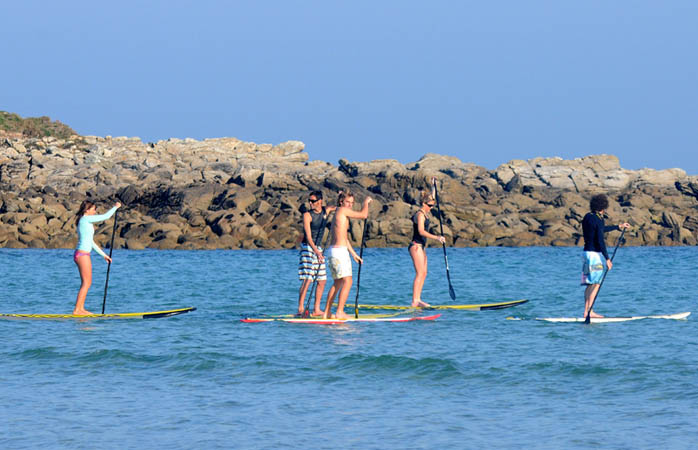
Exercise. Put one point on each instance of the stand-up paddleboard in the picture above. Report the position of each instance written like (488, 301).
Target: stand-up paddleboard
(677, 316)
(320, 321)
(473, 307)
(136, 315)
(365, 316)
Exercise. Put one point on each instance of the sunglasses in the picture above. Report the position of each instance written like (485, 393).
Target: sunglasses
(313, 200)
(431, 205)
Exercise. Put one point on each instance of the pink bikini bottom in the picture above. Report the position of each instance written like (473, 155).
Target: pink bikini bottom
(79, 253)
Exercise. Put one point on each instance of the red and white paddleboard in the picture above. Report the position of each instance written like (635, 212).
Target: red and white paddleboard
(321, 321)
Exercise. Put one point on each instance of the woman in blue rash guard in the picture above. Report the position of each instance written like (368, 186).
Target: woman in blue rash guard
(86, 216)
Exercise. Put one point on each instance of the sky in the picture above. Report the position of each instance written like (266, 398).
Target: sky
(486, 81)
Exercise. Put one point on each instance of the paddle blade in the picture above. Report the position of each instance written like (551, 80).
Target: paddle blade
(451, 292)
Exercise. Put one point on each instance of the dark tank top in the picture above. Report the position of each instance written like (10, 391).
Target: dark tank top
(416, 237)
(316, 227)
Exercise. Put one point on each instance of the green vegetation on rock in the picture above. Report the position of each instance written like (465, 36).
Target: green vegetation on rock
(34, 127)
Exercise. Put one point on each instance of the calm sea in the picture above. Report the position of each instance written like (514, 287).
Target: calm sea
(467, 380)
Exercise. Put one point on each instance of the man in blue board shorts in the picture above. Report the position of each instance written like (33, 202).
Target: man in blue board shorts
(593, 227)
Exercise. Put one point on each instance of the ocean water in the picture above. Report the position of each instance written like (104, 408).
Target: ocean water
(466, 380)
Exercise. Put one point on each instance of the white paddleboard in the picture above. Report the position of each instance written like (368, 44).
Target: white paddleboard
(676, 316)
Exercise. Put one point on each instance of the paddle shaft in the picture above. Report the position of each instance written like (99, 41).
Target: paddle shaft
(451, 292)
(318, 237)
(358, 275)
(587, 320)
(111, 248)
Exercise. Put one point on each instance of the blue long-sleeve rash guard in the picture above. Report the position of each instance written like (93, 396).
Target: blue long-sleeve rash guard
(86, 231)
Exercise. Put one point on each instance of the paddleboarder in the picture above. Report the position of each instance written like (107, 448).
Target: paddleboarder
(338, 252)
(86, 216)
(593, 228)
(420, 225)
(311, 266)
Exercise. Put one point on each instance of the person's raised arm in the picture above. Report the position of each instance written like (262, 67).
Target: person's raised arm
(363, 214)
(102, 217)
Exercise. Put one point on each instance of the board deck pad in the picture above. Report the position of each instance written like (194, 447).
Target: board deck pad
(135, 315)
(471, 307)
(320, 321)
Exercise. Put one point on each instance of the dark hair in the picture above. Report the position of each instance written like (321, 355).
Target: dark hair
(598, 203)
(317, 194)
(84, 206)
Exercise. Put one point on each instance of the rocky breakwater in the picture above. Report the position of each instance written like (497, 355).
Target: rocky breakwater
(226, 193)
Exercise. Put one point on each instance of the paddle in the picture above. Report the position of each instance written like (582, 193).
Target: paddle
(318, 238)
(451, 292)
(111, 248)
(587, 320)
(358, 275)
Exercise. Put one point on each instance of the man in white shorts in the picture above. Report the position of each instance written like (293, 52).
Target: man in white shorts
(337, 254)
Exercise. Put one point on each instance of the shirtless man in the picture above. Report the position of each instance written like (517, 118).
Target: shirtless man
(337, 253)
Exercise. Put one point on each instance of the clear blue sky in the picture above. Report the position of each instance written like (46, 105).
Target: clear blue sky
(486, 81)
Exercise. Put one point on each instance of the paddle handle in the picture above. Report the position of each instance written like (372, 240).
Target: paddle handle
(358, 275)
(451, 291)
(111, 249)
(587, 320)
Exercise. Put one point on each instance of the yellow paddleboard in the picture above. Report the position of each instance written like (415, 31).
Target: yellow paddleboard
(473, 307)
(136, 315)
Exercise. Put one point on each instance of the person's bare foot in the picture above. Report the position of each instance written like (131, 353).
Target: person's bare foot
(340, 316)
(82, 312)
(595, 315)
(317, 313)
(420, 304)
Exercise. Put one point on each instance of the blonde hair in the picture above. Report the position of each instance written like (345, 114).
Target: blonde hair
(343, 195)
(426, 197)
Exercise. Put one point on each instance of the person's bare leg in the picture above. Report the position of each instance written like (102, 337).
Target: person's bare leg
(343, 295)
(419, 261)
(336, 286)
(84, 264)
(318, 298)
(301, 295)
(589, 296)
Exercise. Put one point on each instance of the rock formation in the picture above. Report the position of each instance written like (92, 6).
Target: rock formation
(226, 193)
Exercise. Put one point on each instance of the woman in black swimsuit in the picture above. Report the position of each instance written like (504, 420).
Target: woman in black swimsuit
(420, 225)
